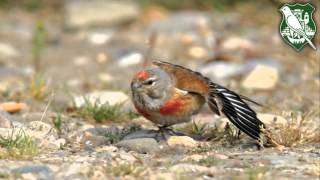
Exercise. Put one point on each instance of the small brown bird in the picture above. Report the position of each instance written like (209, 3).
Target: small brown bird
(170, 94)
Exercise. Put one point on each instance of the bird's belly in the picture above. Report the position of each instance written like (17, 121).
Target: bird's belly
(175, 111)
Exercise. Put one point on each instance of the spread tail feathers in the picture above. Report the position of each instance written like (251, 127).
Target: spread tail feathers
(235, 109)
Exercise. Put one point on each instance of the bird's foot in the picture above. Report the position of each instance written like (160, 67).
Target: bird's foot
(164, 133)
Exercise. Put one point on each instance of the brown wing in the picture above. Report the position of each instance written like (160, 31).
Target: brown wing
(190, 81)
(186, 79)
(219, 98)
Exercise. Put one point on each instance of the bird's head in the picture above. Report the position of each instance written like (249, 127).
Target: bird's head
(285, 10)
(151, 87)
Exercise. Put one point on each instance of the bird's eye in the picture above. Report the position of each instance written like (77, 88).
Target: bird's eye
(149, 82)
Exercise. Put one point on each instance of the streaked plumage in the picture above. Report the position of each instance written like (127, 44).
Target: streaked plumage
(182, 93)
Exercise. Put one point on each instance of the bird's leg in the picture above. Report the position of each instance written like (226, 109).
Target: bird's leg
(163, 130)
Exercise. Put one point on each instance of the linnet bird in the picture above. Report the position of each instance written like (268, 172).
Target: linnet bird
(169, 94)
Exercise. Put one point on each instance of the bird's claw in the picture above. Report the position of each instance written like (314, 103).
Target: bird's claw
(164, 133)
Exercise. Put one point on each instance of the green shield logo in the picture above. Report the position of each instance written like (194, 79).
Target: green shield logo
(297, 27)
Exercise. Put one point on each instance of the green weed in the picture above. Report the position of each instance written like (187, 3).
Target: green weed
(17, 145)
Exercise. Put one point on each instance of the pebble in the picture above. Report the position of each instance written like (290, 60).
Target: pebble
(130, 59)
(35, 172)
(102, 97)
(102, 58)
(271, 119)
(235, 43)
(261, 77)
(141, 145)
(192, 168)
(197, 52)
(98, 38)
(7, 51)
(95, 12)
(13, 107)
(182, 141)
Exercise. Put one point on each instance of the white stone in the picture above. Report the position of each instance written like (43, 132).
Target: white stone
(39, 126)
(221, 70)
(261, 77)
(102, 58)
(270, 119)
(103, 97)
(98, 38)
(105, 77)
(182, 141)
(235, 43)
(7, 51)
(191, 168)
(59, 142)
(81, 60)
(197, 52)
(131, 59)
(99, 12)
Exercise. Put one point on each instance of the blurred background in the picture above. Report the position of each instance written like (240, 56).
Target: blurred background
(75, 47)
(65, 72)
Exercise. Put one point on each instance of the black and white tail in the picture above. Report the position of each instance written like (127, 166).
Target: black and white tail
(236, 109)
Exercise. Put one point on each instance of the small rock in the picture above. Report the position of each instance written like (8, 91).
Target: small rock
(221, 123)
(127, 157)
(99, 38)
(154, 13)
(220, 156)
(271, 119)
(39, 126)
(12, 107)
(105, 77)
(108, 148)
(4, 121)
(96, 174)
(166, 176)
(191, 168)
(98, 12)
(68, 170)
(221, 70)
(39, 171)
(91, 140)
(235, 43)
(105, 97)
(81, 60)
(182, 141)
(102, 58)
(130, 59)
(261, 77)
(181, 22)
(193, 157)
(197, 52)
(7, 51)
(142, 145)
(59, 143)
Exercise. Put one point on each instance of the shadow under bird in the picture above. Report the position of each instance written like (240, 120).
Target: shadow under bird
(169, 94)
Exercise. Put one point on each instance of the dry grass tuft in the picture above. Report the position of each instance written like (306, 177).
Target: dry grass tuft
(301, 128)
